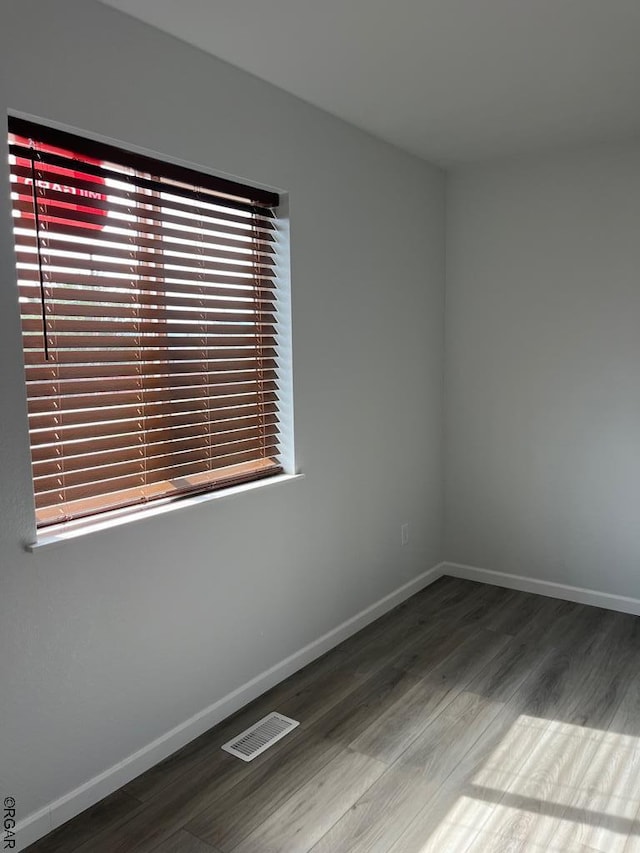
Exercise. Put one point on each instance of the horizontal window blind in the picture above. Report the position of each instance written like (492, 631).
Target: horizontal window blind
(148, 300)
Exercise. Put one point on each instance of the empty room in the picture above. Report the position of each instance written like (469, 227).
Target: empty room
(320, 426)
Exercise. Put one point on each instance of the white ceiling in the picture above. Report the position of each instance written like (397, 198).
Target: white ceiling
(450, 80)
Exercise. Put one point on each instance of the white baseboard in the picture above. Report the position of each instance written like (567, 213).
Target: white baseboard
(581, 595)
(63, 809)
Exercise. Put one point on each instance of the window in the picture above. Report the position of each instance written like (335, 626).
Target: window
(149, 305)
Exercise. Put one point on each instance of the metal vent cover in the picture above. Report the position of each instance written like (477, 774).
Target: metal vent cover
(253, 741)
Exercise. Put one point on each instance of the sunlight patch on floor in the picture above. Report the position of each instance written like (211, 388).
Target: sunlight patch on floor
(548, 786)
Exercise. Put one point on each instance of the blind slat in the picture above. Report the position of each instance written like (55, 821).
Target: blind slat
(63, 387)
(98, 265)
(60, 325)
(186, 311)
(69, 217)
(180, 396)
(230, 475)
(54, 203)
(171, 424)
(127, 354)
(132, 191)
(228, 287)
(77, 454)
(51, 370)
(133, 475)
(24, 130)
(89, 469)
(151, 410)
(177, 346)
(173, 255)
(72, 238)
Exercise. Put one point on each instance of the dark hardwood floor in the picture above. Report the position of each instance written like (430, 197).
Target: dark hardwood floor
(471, 719)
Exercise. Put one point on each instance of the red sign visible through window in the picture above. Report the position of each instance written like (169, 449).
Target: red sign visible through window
(55, 183)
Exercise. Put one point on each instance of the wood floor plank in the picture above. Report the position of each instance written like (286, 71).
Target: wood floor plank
(450, 824)
(582, 712)
(465, 661)
(603, 801)
(445, 741)
(633, 839)
(418, 612)
(604, 809)
(520, 609)
(176, 804)
(533, 796)
(430, 647)
(535, 801)
(547, 627)
(381, 814)
(171, 809)
(470, 602)
(184, 842)
(149, 784)
(380, 648)
(552, 763)
(626, 722)
(395, 728)
(391, 732)
(378, 817)
(206, 780)
(306, 816)
(507, 671)
(362, 707)
(249, 803)
(456, 812)
(626, 719)
(103, 817)
(309, 696)
(463, 805)
(487, 604)
(229, 819)
(438, 599)
(574, 626)
(606, 671)
(452, 817)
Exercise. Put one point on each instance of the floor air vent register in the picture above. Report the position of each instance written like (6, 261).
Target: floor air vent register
(259, 737)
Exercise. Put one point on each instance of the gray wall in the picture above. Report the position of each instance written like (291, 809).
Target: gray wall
(109, 641)
(543, 369)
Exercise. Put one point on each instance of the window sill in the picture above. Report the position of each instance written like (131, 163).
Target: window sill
(60, 533)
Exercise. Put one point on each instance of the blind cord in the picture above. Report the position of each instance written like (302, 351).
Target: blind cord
(43, 300)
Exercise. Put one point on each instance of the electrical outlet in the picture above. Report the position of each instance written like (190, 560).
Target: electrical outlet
(404, 533)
